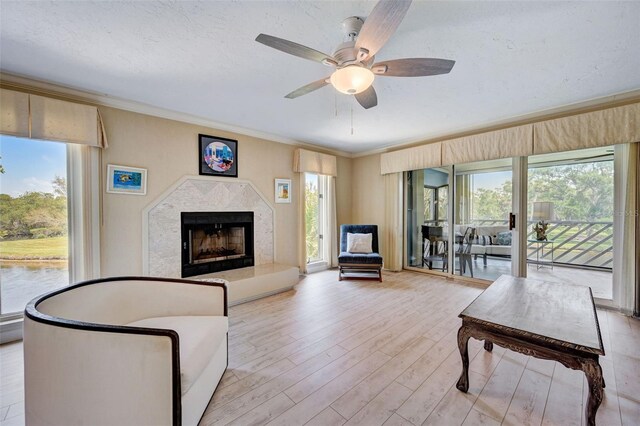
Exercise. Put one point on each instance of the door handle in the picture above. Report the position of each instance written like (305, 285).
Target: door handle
(512, 221)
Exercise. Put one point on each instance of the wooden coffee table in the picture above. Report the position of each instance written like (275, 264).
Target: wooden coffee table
(545, 320)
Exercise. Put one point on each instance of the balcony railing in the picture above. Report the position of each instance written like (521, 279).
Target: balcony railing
(576, 243)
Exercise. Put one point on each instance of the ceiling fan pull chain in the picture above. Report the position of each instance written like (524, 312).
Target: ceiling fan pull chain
(335, 101)
(351, 120)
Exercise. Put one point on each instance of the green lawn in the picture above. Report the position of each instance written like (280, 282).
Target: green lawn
(35, 249)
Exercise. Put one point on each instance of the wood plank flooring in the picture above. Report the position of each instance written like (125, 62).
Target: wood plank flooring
(369, 353)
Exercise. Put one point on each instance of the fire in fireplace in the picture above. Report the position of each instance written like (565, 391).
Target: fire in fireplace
(216, 241)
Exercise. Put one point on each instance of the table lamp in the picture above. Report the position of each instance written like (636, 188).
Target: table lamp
(542, 211)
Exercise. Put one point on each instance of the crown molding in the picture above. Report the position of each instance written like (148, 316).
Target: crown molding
(593, 104)
(45, 88)
(13, 81)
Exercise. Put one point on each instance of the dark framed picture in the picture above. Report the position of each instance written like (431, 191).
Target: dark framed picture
(217, 156)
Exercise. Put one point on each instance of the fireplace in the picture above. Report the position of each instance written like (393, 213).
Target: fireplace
(216, 241)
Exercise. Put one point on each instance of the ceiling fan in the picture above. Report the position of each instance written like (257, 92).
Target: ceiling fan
(353, 60)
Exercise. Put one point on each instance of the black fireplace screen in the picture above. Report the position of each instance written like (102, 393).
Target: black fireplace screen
(211, 244)
(216, 241)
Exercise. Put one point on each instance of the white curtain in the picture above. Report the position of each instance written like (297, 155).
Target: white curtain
(302, 232)
(83, 195)
(392, 238)
(332, 222)
(625, 222)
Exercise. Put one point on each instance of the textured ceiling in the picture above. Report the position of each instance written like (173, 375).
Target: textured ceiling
(200, 58)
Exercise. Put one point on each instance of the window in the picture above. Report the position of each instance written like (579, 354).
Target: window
(315, 219)
(429, 203)
(33, 220)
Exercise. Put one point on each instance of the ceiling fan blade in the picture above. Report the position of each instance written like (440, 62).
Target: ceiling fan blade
(380, 25)
(307, 89)
(295, 49)
(368, 98)
(413, 67)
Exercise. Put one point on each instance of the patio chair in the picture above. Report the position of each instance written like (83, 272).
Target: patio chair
(360, 262)
(435, 250)
(464, 245)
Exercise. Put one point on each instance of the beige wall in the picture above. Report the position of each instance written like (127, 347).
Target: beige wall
(367, 193)
(343, 192)
(168, 149)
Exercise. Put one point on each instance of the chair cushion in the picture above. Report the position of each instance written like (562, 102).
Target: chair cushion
(499, 250)
(359, 243)
(478, 249)
(199, 338)
(359, 258)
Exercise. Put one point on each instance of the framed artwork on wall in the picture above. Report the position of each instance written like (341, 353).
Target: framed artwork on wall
(126, 180)
(217, 156)
(283, 190)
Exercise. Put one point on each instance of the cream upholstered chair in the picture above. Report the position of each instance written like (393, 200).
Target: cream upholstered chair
(124, 351)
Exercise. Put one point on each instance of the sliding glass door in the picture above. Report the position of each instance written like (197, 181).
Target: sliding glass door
(427, 218)
(571, 218)
(548, 217)
(482, 236)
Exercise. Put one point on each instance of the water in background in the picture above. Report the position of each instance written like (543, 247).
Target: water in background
(22, 281)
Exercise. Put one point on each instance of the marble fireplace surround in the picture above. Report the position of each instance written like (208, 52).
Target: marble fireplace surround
(161, 254)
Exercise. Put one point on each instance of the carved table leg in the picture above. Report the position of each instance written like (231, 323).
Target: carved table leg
(488, 346)
(463, 339)
(593, 371)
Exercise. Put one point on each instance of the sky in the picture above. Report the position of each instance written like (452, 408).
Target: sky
(493, 180)
(30, 165)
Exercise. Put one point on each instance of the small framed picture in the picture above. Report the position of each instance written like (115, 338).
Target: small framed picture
(283, 190)
(217, 156)
(126, 180)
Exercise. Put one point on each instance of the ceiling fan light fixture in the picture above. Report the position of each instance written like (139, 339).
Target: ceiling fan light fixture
(352, 79)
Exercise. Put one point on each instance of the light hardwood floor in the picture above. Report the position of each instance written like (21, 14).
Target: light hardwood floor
(369, 353)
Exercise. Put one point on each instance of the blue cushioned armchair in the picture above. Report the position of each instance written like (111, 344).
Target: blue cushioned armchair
(360, 262)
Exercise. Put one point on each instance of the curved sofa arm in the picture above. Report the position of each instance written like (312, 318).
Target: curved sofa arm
(121, 300)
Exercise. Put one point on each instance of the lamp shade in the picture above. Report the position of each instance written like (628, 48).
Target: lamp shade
(352, 79)
(542, 210)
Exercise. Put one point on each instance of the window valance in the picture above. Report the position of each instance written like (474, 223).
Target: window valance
(610, 126)
(419, 157)
(305, 161)
(505, 143)
(39, 117)
(14, 113)
(592, 129)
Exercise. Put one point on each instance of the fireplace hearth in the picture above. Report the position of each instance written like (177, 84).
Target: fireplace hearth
(216, 241)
